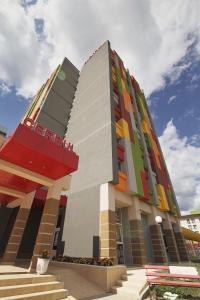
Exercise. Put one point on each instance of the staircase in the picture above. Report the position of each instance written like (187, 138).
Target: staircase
(31, 286)
(132, 285)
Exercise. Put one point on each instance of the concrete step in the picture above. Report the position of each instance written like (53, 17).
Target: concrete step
(129, 283)
(30, 288)
(19, 279)
(47, 295)
(124, 277)
(128, 293)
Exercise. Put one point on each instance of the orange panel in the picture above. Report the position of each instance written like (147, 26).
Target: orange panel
(121, 186)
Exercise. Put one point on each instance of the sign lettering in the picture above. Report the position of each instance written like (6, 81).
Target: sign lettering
(48, 134)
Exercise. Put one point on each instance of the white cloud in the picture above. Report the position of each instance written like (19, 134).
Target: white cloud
(183, 162)
(4, 89)
(171, 99)
(150, 36)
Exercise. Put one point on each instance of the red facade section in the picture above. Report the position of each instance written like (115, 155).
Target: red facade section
(120, 152)
(34, 152)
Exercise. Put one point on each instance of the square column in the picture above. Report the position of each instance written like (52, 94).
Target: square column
(107, 222)
(49, 218)
(172, 249)
(180, 241)
(17, 232)
(137, 234)
(158, 244)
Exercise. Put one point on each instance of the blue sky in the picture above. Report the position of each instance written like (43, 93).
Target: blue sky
(161, 50)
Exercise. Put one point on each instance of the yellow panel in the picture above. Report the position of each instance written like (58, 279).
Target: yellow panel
(124, 125)
(190, 235)
(114, 78)
(113, 69)
(162, 197)
(145, 127)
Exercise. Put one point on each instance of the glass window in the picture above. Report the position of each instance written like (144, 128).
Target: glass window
(118, 215)
(116, 98)
(119, 232)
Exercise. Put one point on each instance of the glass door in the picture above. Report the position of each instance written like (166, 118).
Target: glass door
(119, 236)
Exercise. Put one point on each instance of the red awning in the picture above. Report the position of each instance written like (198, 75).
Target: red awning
(32, 151)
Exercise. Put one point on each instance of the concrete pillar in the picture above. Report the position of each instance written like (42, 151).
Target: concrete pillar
(107, 222)
(137, 235)
(49, 218)
(172, 250)
(158, 245)
(180, 241)
(17, 232)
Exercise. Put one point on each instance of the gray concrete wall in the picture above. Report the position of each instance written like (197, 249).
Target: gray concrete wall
(90, 130)
(55, 111)
(82, 222)
(90, 125)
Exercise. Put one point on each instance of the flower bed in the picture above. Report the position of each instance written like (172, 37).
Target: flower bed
(84, 260)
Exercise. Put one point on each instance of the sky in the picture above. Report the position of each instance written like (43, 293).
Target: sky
(159, 42)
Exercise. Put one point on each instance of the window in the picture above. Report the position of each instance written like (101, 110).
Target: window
(119, 165)
(116, 98)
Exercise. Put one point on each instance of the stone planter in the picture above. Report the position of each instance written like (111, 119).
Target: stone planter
(42, 265)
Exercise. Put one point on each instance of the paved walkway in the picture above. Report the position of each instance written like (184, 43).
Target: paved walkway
(9, 269)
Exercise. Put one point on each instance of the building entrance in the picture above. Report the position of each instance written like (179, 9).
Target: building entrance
(119, 237)
(147, 239)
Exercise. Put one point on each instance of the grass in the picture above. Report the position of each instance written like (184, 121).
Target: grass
(183, 292)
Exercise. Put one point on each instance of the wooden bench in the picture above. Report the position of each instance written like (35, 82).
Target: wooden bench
(159, 278)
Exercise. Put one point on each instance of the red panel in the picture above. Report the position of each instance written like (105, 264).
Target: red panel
(17, 183)
(34, 152)
(41, 195)
(5, 198)
(120, 152)
(144, 184)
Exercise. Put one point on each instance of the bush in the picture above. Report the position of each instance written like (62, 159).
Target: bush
(84, 260)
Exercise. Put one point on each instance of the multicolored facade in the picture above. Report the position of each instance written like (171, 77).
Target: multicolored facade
(122, 184)
(149, 179)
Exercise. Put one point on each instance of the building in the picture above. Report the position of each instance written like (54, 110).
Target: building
(35, 167)
(3, 133)
(122, 183)
(191, 229)
(121, 202)
(191, 221)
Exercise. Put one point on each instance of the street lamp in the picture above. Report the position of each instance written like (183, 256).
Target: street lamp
(158, 219)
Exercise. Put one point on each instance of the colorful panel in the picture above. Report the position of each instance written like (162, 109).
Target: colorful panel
(125, 128)
(131, 127)
(164, 189)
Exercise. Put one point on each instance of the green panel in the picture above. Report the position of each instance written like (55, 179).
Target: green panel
(147, 139)
(171, 199)
(140, 107)
(138, 163)
(119, 83)
(195, 212)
